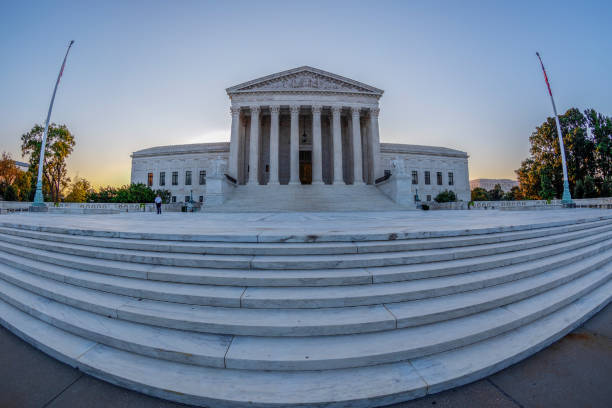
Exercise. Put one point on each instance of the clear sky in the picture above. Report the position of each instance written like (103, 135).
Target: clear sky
(459, 74)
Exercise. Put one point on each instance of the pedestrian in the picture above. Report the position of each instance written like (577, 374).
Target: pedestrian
(158, 202)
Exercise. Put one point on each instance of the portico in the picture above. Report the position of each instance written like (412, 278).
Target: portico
(304, 126)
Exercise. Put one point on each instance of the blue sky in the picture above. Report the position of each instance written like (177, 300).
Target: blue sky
(459, 74)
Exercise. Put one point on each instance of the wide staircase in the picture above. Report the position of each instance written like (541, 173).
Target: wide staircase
(288, 198)
(310, 322)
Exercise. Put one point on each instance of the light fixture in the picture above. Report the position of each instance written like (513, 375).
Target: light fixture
(304, 135)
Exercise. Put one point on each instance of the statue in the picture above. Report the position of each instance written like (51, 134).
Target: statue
(399, 167)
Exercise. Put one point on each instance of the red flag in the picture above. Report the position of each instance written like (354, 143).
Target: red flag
(544, 71)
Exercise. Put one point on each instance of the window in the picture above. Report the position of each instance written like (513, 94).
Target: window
(188, 178)
(174, 199)
(439, 178)
(427, 178)
(162, 178)
(187, 199)
(428, 198)
(451, 178)
(415, 177)
(202, 177)
(150, 179)
(201, 199)
(175, 178)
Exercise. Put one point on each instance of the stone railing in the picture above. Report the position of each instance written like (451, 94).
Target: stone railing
(16, 206)
(526, 204)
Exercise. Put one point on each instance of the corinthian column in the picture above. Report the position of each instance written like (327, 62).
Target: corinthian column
(233, 159)
(317, 154)
(336, 129)
(274, 111)
(254, 146)
(294, 157)
(357, 158)
(374, 144)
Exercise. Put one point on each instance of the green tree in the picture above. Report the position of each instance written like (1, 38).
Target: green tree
(79, 191)
(589, 187)
(23, 185)
(479, 194)
(497, 193)
(579, 189)
(165, 195)
(587, 138)
(547, 191)
(60, 144)
(446, 196)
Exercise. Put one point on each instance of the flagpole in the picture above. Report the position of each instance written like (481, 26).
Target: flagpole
(566, 199)
(39, 201)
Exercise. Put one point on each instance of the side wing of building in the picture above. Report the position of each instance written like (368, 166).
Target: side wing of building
(432, 169)
(180, 169)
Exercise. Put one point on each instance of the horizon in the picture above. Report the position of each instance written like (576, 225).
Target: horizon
(145, 76)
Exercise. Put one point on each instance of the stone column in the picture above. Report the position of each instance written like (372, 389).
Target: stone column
(294, 156)
(317, 153)
(357, 156)
(254, 146)
(274, 112)
(374, 144)
(234, 145)
(336, 129)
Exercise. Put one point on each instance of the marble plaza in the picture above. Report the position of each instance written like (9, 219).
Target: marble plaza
(309, 309)
(304, 127)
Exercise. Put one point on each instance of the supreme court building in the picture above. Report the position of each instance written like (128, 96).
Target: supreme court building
(303, 127)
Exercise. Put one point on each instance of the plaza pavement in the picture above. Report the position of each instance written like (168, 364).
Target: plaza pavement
(574, 372)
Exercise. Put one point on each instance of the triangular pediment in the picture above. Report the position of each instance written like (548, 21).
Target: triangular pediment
(304, 79)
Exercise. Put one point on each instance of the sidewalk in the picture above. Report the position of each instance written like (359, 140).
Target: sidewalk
(574, 372)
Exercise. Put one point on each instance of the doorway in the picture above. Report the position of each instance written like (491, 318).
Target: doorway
(306, 166)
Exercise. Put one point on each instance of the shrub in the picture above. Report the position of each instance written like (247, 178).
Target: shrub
(446, 196)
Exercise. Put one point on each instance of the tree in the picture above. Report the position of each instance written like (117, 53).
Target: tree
(60, 144)
(587, 138)
(79, 191)
(579, 189)
(446, 196)
(165, 195)
(497, 193)
(547, 191)
(513, 194)
(8, 169)
(479, 194)
(589, 187)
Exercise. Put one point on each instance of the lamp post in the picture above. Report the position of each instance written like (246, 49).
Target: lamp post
(566, 199)
(39, 201)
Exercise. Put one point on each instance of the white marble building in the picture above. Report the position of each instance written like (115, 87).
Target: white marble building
(302, 127)
(489, 184)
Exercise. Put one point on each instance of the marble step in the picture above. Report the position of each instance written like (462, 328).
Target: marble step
(296, 248)
(356, 387)
(207, 319)
(298, 297)
(357, 295)
(413, 257)
(299, 261)
(275, 237)
(298, 322)
(299, 353)
(355, 276)
(225, 296)
(157, 342)
(358, 350)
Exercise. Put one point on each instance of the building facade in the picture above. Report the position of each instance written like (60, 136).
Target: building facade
(489, 184)
(301, 127)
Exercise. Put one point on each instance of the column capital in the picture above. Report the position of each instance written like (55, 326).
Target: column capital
(275, 109)
(355, 110)
(235, 110)
(374, 111)
(295, 109)
(316, 109)
(336, 109)
(255, 109)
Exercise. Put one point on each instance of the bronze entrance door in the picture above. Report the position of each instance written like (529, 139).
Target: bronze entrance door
(306, 167)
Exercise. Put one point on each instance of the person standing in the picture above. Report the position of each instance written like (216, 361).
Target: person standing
(158, 203)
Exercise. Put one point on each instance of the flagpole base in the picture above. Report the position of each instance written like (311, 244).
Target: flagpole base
(566, 199)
